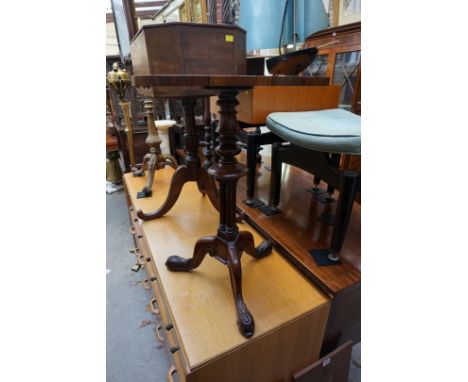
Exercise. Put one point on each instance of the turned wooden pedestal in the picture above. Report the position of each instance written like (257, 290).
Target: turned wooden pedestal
(229, 243)
(191, 171)
(194, 310)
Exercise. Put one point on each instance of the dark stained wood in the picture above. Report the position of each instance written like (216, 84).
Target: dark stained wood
(132, 24)
(337, 31)
(296, 229)
(188, 48)
(225, 81)
(191, 171)
(334, 41)
(344, 320)
(228, 244)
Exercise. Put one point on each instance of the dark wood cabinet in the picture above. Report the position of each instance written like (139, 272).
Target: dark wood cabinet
(188, 48)
(340, 61)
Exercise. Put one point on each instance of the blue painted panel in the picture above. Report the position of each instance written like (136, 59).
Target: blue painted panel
(314, 18)
(262, 21)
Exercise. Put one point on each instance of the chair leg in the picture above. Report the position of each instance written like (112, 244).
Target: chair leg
(327, 198)
(251, 201)
(348, 188)
(275, 181)
(316, 190)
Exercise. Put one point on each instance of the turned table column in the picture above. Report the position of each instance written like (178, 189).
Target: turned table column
(191, 171)
(228, 244)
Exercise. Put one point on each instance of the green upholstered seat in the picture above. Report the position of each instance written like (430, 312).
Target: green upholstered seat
(332, 130)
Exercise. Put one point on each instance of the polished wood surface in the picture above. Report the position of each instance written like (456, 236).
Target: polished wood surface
(255, 104)
(229, 243)
(190, 171)
(225, 81)
(290, 311)
(297, 229)
(346, 38)
(188, 48)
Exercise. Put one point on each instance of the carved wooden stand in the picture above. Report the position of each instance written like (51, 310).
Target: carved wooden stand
(228, 244)
(155, 160)
(191, 171)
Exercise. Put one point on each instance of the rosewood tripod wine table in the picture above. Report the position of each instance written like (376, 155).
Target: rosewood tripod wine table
(191, 171)
(228, 244)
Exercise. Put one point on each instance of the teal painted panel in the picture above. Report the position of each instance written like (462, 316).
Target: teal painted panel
(313, 19)
(262, 21)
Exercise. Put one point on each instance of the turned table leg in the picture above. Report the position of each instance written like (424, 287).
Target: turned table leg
(228, 244)
(191, 171)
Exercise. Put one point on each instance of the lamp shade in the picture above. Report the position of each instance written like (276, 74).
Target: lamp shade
(314, 18)
(262, 21)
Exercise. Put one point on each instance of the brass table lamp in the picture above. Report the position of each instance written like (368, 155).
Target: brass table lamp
(119, 80)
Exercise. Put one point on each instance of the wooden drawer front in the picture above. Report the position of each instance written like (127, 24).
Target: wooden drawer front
(143, 255)
(290, 312)
(177, 355)
(170, 374)
(172, 340)
(334, 367)
(256, 104)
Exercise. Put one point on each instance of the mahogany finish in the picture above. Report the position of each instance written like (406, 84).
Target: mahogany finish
(196, 309)
(191, 171)
(346, 38)
(228, 244)
(297, 229)
(223, 81)
(187, 48)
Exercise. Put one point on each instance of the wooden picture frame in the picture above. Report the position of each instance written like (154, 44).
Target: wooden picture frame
(193, 11)
(346, 12)
(125, 25)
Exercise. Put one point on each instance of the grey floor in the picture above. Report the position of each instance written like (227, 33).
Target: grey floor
(132, 351)
(133, 354)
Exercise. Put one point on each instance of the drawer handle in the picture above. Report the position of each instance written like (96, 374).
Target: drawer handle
(158, 336)
(173, 349)
(146, 284)
(132, 230)
(170, 372)
(153, 308)
(169, 326)
(141, 260)
(154, 278)
(140, 236)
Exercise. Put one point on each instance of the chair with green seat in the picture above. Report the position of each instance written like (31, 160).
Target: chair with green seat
(314, 139)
